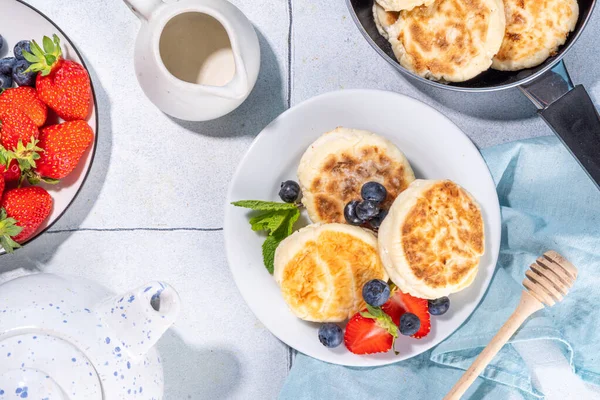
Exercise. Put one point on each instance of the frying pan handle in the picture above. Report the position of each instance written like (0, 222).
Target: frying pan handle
(571, 114)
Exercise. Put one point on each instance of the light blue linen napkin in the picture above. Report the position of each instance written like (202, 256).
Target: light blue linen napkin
(547, 202)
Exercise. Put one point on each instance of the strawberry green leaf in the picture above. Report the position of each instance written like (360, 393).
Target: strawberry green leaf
(383, 320)
(8, 230)
(50, 59)
(29, 57)
(50, 181)
(48, 45)
(26, 155)
(36, 49)
(58, 51)
(42, 60)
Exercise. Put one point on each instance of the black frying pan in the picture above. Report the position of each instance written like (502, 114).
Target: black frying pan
(566, 108)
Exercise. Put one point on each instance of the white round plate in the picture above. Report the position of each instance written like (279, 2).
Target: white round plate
(19, 21)
(436, 149)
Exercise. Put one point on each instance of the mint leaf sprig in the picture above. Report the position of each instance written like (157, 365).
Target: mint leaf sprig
(277, 219)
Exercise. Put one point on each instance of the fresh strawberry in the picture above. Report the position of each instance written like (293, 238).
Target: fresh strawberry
(63, 145)
(25, 208)
(400, 303)
(1, 185)
(13, 173)
(25, 99)
(15, 126)
(64, 85)
(370, 331)
(21, 159)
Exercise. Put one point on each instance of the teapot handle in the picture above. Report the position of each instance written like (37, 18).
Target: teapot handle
(143, 8)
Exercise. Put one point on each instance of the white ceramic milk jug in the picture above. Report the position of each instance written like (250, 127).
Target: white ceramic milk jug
(196, 60)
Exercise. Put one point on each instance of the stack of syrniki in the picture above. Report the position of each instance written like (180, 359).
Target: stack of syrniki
(456, 40)
(429, 243)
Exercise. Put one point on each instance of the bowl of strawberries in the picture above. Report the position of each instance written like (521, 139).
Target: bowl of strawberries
(48, 127)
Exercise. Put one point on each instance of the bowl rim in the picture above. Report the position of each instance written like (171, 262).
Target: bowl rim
(97, 130)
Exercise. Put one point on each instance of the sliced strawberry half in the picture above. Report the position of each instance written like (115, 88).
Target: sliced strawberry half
(400, 303)
(370, 331)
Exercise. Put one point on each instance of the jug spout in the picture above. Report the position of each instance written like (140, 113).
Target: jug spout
(140, 317)
(236, 89)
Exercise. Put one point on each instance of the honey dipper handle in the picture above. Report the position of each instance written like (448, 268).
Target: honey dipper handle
(527, 306)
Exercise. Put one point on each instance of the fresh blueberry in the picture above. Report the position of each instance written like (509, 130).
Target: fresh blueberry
(289, 192)
(376, 292)
(21, 77)
(376, 222)
(373, 191)
(439, 306)
(409, 324)
(19, 47)
(5, 81)
(367, 210)
(6, 65)
(350, 213)
(1, 43)
(330, 335)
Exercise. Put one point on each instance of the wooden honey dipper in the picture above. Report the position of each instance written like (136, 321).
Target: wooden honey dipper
(547, 281)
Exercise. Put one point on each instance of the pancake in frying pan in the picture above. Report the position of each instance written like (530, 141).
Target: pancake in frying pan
(322, 268)
(535, 30)
(384, 19)
(334, 168)
(399, 5)
(432, 239)
(450, 40)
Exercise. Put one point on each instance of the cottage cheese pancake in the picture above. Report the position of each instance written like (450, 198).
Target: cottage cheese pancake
(399, 5)
(432, 239)
(534, 31)
(384, 19)
(322, 268)
(450, 40)
(334, 168)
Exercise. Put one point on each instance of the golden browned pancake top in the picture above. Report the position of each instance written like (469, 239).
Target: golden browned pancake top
(443, 235)
(390, 18)
(452, 40)
(343, 174)
(450, 55)
(534, 31)
(324, 280)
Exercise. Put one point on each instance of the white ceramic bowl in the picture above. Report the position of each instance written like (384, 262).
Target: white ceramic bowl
(19, 21)
(436, 149)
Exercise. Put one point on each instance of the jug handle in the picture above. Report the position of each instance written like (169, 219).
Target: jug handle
(143, 8)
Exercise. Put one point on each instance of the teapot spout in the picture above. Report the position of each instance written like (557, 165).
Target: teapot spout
(140, 317)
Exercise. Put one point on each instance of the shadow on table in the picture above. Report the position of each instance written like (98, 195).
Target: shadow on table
(197, 373)
(262, 106)
(502, 105)
(37, 252)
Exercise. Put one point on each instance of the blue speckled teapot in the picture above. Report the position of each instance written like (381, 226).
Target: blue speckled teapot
(68, 338)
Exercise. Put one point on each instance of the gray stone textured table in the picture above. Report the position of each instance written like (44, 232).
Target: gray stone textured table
(145, 215)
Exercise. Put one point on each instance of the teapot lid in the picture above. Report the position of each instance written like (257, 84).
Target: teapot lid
(39, 366)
